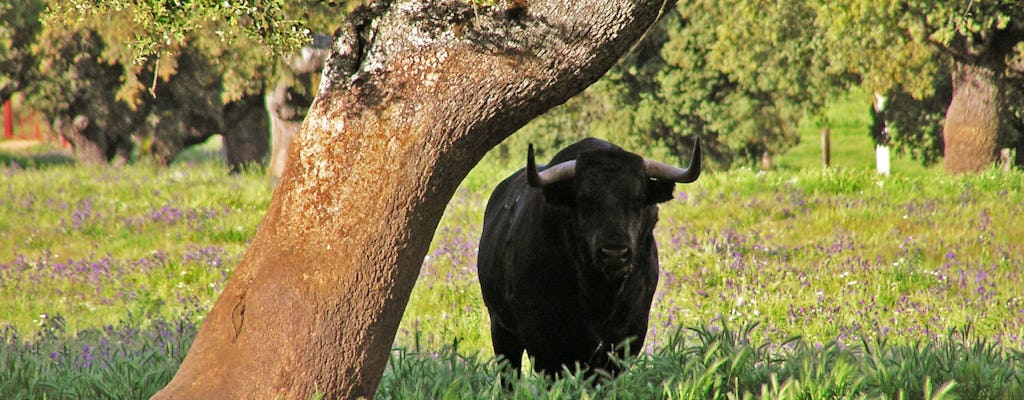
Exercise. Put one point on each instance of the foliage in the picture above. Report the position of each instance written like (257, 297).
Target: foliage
(743, 92)
(158, 26)
(147, 38)
(127, 78)
(18, 24)
(742, 74)
(914, 126)
(245, 37)
(907, 49)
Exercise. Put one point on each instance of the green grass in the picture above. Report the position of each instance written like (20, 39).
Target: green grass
(706, 363)
(901, 286)
(92, 243)
(823, 254)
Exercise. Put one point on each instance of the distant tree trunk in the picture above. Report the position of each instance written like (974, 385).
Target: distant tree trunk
(245, 132)
(766, 161)
(826, 147)
(413, 95)
(284, 124)
(971, 130)
(84, 112)
(1018, 153)
(8, 119)
(74, 131)
(188, 109)
(91, 143)
(288, 102)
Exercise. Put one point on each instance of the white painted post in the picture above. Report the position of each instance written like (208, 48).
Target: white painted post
(882, 159)
(882, 150)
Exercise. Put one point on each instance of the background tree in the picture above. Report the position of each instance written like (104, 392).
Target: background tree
(100, 105)
(740, 75)
(19, 24)
(154, 79)
(288, 101)
(743, 73)
(912, 125)
(921, 49)
(76, 93)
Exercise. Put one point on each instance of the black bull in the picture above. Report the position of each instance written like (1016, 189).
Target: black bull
(567, 261)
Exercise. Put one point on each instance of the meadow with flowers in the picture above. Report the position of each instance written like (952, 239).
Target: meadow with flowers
(794, 283)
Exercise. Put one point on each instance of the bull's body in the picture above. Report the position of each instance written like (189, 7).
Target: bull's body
(568, 271)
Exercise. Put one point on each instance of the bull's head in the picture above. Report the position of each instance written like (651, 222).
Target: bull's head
(610, 193)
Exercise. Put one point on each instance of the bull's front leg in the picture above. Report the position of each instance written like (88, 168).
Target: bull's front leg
(507, 346)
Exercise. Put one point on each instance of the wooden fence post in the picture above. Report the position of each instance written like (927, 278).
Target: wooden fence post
(1006, 159)
(826, 147)
(8, 120)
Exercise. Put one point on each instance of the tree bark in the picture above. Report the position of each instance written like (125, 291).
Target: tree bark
(971, 129)
(412, 96)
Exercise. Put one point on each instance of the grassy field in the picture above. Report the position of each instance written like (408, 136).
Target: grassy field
(907, 285)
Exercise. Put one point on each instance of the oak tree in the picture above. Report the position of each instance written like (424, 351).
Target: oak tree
(971, 53)
(412, 96)
(150, 78)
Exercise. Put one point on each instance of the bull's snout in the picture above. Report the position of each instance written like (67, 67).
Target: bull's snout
(615, 255)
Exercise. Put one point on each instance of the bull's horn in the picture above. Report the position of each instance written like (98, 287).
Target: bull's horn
(671, 173)
(555, 173)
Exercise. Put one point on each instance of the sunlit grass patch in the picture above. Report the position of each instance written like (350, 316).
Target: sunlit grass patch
(908, 257)
(94, 243)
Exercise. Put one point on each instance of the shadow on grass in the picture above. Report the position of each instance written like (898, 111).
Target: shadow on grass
(134, 361)
(33, 156)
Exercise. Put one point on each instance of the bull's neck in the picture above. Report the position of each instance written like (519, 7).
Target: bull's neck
(600, 297)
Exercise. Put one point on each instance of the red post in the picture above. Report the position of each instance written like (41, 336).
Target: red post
(8, 120)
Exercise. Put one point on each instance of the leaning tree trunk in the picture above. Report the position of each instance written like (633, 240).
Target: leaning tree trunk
(413, 95)
(971, 129)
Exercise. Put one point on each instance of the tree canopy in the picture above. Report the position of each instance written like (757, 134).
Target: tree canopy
(18, 27)
(739, 73)
(740, 76)
(148, 78)
(742, 73)
(909, 51)
(246, 37)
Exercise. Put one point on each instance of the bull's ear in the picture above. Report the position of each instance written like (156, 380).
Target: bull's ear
(560, 194)
(659, 191)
